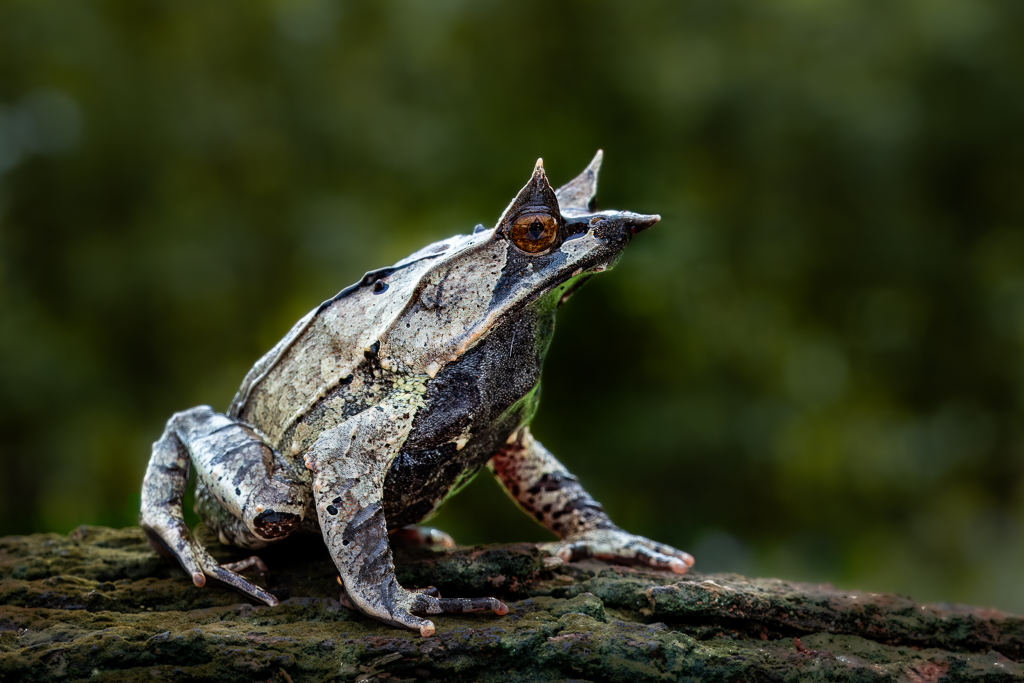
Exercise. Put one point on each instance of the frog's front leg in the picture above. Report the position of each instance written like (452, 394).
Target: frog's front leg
(546, 490)
(349, 464)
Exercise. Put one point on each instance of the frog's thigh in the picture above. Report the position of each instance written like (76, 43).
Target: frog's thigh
(245, 478)
(161, 516)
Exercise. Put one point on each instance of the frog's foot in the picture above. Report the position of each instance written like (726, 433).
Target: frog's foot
(413, 601)
(347, 601)
(616, 545)
(424, 536)
(199, 564)
(419, 602)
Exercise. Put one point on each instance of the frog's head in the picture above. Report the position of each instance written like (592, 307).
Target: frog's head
(545, 244)
(554, 240)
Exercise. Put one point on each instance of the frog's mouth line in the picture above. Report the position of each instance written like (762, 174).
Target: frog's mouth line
(572, 290)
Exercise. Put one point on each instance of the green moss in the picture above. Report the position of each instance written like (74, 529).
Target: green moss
(100, 605)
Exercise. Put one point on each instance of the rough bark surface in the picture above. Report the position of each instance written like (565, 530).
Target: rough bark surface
(100, 605)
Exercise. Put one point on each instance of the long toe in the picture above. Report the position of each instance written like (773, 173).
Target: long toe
(411, 621)
(253, 562)
(240, 584)
(463, 605)
(225, 576)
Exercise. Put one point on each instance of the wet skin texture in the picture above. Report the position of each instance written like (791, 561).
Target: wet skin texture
(389, 397)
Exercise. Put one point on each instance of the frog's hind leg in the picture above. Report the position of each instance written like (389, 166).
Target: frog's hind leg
(260, 501)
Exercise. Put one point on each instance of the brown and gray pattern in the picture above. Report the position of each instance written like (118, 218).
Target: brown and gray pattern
(546, 490)
(394, 394)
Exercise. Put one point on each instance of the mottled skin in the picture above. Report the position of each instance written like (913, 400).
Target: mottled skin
(388, 398)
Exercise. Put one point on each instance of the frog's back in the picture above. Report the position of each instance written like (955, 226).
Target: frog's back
(322, 351)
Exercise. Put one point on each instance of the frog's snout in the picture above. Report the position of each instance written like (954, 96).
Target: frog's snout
(621, 225)
(642, 221)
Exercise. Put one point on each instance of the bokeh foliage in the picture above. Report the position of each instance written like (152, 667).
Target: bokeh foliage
(813, 367)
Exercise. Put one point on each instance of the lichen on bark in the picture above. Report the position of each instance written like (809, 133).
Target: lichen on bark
(99, 604)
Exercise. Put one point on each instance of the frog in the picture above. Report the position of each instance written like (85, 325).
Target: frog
(388, 398)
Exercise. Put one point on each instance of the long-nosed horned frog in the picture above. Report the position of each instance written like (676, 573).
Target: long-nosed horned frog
(389, 397)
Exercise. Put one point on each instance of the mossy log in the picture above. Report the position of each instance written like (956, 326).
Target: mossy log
(99, 604)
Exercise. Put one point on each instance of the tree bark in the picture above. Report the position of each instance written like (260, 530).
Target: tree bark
(100, 605)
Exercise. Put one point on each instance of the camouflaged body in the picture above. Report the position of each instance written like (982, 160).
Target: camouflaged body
(457, 331)
(389, 397)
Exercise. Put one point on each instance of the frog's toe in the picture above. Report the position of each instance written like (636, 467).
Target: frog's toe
(643, 551)
(684, 558)
(460, 605)
(641, 554)
(248, 563)
(430, 604)
(410, 621)
(567, 552)
(174, 543)
(239, 583)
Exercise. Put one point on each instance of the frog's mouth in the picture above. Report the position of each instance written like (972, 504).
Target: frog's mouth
(635, 222)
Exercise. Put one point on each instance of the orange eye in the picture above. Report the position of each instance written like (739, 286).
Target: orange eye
(534, 232)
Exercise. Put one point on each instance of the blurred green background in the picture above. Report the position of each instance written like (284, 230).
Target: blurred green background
(812, 368)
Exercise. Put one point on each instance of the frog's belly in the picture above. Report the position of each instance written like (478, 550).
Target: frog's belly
(469, 403)
(419, 481)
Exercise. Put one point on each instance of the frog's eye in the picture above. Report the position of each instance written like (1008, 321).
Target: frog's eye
(534, 232)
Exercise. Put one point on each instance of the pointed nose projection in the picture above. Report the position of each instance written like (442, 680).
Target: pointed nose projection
(621, 224)
(638, 222)
(643, 221)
